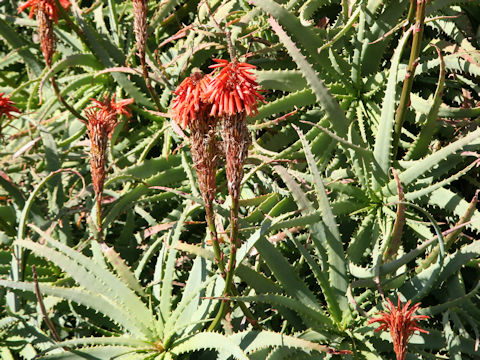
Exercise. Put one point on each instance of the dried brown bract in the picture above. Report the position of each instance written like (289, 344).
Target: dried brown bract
(236, 140)
(204, 147)
(140, 26)
(190, 109)
(45, 32)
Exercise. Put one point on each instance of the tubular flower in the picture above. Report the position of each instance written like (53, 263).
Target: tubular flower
(233, 89)
(6, 106)
(189, 105)
(401, 322)
(110, 106)
(49, 7)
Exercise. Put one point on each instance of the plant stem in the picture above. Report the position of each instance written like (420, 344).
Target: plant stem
(99, 214)
(408, 82)
(221, 266)
(47, 320)
(411, 12)
(231, 263)
(150, 88)
(62, 100)
(214, 236)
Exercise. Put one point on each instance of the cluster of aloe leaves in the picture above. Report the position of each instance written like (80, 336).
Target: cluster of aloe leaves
(334, 215)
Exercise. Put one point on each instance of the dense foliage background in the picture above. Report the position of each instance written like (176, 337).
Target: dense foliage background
(343, 203)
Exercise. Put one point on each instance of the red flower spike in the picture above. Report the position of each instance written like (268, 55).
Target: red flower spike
(109, 105)
(49, 6)
(233, 89)
(401, 323)
(189, 104)
(6, 106)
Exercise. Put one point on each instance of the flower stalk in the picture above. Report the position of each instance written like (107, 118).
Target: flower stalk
(409, 76)
(189, 109)
(141, 35)
(230, 95)
(102, 118)
(233, 93)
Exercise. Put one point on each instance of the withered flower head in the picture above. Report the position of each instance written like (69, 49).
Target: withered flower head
(6, 106)
(48, 41)
(190, 109)
(49, 7)
(46, 11)
(401, 322)
(233, 89)
(140, 26)
(189, 105)
(100, 126)
(101, 121)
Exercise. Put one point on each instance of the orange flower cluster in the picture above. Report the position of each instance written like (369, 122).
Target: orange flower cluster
(190, 99)
(48, 6)
(233, 90)
(110, 106)
(230, 91)
(6, 106)
(401, 322)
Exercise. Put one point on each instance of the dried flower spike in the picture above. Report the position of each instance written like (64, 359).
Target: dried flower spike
(401, 322)
(233, 89)
(48, 42)
(101, 121)
(49, 7)
(6, 106)
(190, 109)
(140, 26)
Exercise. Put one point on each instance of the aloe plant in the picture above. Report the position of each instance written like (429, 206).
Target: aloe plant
(360, 183)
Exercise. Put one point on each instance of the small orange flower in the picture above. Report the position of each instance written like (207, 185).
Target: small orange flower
(189, 103)
(49, 7)
(233, 89)
(109, 105)
(6, 106)
(401, 323)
